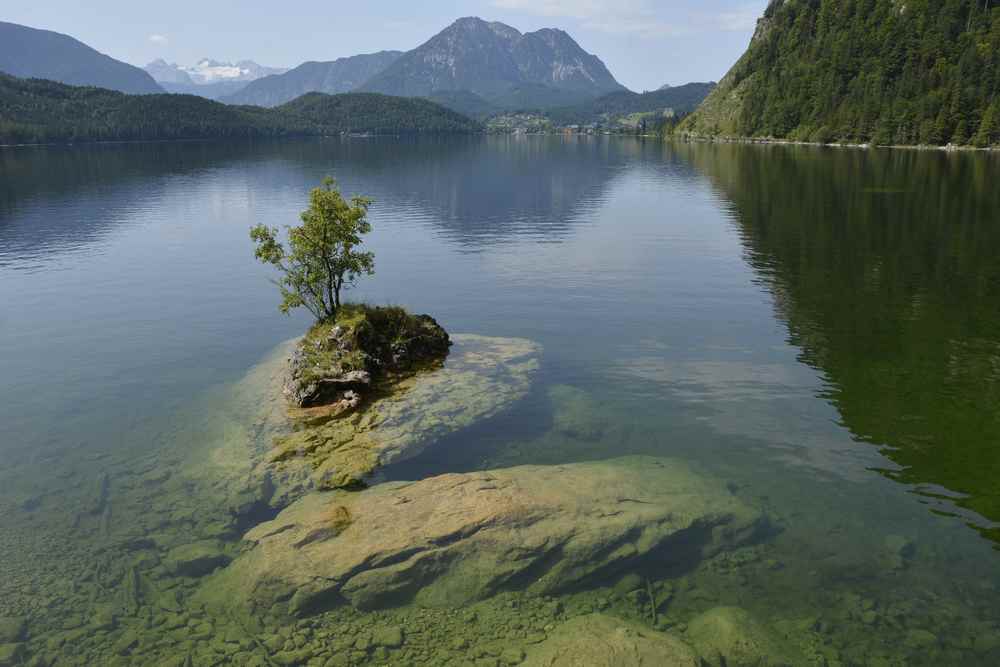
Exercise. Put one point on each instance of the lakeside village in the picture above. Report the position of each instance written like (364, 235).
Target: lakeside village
(527, 122)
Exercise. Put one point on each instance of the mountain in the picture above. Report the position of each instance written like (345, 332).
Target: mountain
(39, 111)
(464, 102)
(493, 60)
(679, 99)
(338, 76)
(213, 91)
(877, 71)
(371, 113)
(164, 72)
(209, 78)
(27, 52)
(208, 71)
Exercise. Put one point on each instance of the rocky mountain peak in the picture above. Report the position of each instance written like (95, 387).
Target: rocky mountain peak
(491, 59)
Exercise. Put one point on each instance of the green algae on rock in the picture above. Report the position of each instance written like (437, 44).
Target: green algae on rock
(730, 637)
(457, 538)
(338, 362)
(481, 377)
(599, 640)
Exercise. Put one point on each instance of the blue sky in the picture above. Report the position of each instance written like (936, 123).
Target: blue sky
(645, 43)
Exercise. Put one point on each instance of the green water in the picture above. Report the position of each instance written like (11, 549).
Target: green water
(816, 328)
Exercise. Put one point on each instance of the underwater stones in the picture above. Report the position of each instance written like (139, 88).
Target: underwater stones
(920, 639)
(12, 629)
(388, 637)
(456, 538)
(196, 559)
(897, 552)
(482, 377)
(96, 504)
(575, 413)
(730, 637)
(598, 640)
(11, 654)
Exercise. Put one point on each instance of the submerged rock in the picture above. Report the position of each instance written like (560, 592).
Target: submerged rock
(576, 414)
(730, 637)
(196, 559)
(598, 640)
(11, 654)
(12, 629)
(456, 538)
(482, 377)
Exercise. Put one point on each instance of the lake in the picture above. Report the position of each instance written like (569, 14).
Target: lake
(816, 330)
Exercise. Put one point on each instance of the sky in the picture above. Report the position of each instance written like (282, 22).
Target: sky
(645, 43)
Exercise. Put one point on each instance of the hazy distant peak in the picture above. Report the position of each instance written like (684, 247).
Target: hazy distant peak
(208, 71)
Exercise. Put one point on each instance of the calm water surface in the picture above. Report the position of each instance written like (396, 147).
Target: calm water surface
(820, 328)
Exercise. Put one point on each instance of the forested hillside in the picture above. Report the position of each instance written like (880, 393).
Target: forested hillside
(39, 111)
(27, 52)
(885, 71)
(373, 113)
(682, 99)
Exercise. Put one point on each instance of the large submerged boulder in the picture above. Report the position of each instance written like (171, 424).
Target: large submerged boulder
(731, 637)
(598, 640)
(481, 377)
(456, 538)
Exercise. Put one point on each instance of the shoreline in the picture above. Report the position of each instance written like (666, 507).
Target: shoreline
(949, 148)
(686, 138)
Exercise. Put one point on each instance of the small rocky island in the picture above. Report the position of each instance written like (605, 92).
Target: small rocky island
(367, 350)
(339, 375)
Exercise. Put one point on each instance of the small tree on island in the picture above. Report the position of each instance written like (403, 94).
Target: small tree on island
(322, 258)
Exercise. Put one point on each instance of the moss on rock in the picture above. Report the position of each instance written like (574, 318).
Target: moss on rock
(363, 346)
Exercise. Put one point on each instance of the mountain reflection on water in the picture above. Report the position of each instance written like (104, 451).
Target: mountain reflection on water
(884, 266)
(477, 193)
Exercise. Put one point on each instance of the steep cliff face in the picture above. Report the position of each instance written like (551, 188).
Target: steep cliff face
(491, 60)
(920, 72)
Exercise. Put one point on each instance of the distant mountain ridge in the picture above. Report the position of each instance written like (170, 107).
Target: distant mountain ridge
(43, 54)
(493, 59)
(40, 111)
(338, 76)
(208, 71)
(208, 78)
(681, 100)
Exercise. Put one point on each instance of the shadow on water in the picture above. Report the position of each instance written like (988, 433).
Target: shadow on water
(883, 266)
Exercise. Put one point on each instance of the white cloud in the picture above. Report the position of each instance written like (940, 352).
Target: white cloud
(159, 40)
